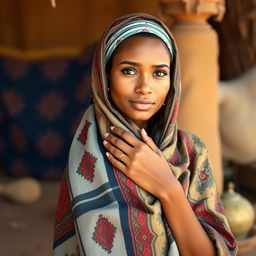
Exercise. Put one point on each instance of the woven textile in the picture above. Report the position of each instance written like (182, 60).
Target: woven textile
(100, 210)
(41, 105)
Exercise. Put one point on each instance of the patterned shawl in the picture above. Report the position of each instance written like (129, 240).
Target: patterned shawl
(100, 210)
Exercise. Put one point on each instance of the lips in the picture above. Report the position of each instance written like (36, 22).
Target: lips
(142, 104)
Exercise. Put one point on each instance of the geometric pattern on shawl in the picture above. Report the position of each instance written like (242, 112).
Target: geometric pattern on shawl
(133, 219)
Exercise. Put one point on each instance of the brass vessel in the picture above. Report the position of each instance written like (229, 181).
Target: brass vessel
(239, 212)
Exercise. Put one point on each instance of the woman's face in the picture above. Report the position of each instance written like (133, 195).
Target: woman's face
(140, 78)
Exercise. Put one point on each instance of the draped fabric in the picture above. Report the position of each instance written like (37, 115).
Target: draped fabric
(103, 212)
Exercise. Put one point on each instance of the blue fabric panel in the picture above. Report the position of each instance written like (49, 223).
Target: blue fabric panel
(41, 104)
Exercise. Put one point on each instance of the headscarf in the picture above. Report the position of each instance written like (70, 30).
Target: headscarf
(103, 212)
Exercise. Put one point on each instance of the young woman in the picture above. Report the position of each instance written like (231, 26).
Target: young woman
(135, 184)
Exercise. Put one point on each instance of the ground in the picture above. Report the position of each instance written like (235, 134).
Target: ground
(27, 230)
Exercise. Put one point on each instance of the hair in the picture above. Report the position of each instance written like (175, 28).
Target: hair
(156, 121)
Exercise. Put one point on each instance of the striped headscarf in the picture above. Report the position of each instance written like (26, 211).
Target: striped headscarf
(135, 27)
(100, 210)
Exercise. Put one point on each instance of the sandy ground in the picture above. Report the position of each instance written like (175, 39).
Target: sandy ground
(27, 230)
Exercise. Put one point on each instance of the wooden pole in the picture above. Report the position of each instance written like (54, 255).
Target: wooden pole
(198, 47)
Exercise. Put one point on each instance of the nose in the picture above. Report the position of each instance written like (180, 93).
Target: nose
(143, 85)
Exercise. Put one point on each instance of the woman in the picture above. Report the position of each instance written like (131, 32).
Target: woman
(135, 184)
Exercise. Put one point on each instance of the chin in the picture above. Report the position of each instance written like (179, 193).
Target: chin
(140, 118)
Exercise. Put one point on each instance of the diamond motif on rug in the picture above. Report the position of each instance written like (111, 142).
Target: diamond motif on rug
(104, 233)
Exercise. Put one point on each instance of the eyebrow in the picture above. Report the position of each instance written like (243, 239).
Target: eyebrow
(161, 66)
(138, 64)
(130, 63)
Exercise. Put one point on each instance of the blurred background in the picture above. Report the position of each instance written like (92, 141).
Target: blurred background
(46, 50)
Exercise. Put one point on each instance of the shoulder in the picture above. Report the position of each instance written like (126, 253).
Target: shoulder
(193, 143)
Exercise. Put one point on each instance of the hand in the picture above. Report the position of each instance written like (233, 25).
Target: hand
(141, 161)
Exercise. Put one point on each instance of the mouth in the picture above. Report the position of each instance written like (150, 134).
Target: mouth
(142, 104)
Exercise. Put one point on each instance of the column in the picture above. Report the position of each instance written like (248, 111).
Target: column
(198, 47)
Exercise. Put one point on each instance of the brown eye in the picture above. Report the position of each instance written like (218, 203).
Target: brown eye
(160, 73)
(128, 71)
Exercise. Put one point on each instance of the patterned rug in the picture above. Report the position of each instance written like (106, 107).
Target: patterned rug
(41, 104)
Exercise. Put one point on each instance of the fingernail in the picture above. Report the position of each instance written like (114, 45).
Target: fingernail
(143, 130)
(106, 134)
(112, 128)
(105, 142)
(107, 154)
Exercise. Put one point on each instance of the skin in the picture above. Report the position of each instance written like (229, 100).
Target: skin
(140, 72)
(138, 86)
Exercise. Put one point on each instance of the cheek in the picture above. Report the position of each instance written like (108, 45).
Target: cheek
(163, 92)
(120, 86)
(114, 86)
(118, 93)
(118, 90)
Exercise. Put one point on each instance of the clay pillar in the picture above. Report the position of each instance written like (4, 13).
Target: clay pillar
(198, 47)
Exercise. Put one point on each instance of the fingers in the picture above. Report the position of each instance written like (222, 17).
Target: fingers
(144, 135)
(126, 140)
(124, 135)
(149, 141)
(118, 143)
(115, 152)
(115, 162)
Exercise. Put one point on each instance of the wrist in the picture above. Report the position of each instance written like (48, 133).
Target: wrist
(172, 193)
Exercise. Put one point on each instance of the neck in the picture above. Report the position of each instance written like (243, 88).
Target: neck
(142, 124)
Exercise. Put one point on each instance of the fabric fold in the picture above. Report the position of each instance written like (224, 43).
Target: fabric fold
(112, 215)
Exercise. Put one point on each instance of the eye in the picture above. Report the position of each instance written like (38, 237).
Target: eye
(128, 71)
(160, 73)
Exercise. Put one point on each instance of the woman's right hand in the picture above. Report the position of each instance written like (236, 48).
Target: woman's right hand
(141, 161)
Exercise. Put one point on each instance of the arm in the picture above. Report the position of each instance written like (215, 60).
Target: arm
(138, 160)
(189, 235)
